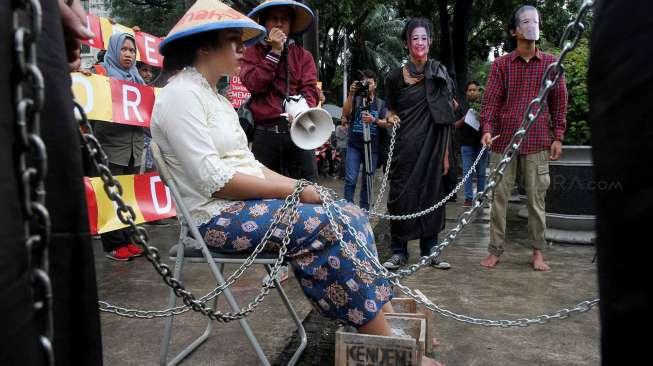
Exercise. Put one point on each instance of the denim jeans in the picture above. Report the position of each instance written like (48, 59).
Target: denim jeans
(354, 159)
(469, 154)
(425, 246)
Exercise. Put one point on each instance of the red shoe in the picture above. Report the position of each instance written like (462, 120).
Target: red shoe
(467, 203)
(121, 254)
(135, 250)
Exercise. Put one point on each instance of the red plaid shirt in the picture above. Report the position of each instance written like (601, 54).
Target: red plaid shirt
(513, 83)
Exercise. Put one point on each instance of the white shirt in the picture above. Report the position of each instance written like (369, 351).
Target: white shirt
(201, 141)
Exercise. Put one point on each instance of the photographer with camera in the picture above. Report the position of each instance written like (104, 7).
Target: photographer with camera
(362, 109)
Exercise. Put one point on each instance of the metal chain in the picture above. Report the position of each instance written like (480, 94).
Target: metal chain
(384, 182)
(549, 80)
(581, 307)
(375, 211)
(442, 202)
(32, 164)
(149, 314)
(139, 236)
(551, 77)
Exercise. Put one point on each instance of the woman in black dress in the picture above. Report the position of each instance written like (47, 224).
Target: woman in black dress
(420, 96)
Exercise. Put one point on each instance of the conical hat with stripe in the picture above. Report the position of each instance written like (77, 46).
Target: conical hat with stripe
(210, 15)
(303, 14)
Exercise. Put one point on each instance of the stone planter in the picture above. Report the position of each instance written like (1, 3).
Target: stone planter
(570, 210)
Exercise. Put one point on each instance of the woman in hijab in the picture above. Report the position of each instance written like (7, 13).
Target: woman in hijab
(123, 144)
(420, 95)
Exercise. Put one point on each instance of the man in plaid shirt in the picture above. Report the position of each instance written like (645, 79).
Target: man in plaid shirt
(513, 82)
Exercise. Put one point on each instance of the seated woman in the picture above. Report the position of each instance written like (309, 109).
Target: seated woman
(233, 198)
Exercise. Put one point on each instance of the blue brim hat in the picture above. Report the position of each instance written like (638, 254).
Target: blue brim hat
(303, 19)
(211, 15)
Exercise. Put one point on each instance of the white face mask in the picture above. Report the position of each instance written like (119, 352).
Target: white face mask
(529, 25)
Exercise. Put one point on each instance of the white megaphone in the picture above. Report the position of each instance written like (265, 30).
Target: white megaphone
(311, 127)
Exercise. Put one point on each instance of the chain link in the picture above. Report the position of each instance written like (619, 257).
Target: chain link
(442, 202)
(31, 164)
(288, 213)
(149, 314)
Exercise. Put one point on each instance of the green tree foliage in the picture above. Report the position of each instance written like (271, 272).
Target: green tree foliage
(153, 19)
(578, 131)
(157, 17)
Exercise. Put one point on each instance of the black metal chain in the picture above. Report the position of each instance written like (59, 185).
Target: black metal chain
(31, 164)
(288, 215)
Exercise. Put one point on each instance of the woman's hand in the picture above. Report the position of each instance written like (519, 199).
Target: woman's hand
(310, 195)
(393, 119)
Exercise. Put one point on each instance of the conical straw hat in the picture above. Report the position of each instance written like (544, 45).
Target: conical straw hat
(210, 15)
(303, 14)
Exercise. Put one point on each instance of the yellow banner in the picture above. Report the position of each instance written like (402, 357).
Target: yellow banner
(110, 100)
(94, 94)
(109, 222)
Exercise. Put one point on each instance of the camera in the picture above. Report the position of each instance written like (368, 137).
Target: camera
(362, 88)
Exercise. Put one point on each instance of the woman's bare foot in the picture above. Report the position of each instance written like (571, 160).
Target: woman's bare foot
(427, 361)
(538, 261)
(490, 261)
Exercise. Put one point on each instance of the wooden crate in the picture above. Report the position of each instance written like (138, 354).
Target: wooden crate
(355, 349)
(408, 307)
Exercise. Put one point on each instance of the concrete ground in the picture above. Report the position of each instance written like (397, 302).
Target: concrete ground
(510, 291)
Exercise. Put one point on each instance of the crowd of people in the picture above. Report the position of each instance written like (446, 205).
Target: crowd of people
(234, 190)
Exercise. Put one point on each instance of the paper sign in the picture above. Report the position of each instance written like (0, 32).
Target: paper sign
(470, 119)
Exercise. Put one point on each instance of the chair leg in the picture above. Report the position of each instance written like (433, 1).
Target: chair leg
(303, 339)
(235, 307)
(172, 301)
(167, 333)
(196, 343)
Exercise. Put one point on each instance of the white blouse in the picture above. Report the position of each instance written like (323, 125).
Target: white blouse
(201, 141)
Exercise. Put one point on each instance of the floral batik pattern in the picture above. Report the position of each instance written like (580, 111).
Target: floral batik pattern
(326, 272)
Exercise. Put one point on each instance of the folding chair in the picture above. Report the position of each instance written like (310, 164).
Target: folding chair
(195, 250)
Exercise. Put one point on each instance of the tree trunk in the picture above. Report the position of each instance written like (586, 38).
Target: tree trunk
(461, 23)
(445, 35)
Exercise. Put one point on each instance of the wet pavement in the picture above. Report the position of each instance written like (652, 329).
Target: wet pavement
(510, 291)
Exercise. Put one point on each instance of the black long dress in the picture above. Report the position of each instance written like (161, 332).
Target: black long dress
(417, 167)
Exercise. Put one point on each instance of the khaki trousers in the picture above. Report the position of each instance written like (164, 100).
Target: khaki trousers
(534, 171)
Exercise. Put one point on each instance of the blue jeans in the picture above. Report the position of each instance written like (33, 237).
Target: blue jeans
(355, 158)
(425, 246)
(469, 154)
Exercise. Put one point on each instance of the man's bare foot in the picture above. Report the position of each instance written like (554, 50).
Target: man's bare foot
(490, 261)
(538, 261)
(427, 361)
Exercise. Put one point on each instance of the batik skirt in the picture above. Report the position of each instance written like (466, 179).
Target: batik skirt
(330, 279)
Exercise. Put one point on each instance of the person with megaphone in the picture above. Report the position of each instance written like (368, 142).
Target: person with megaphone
(282, 78)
